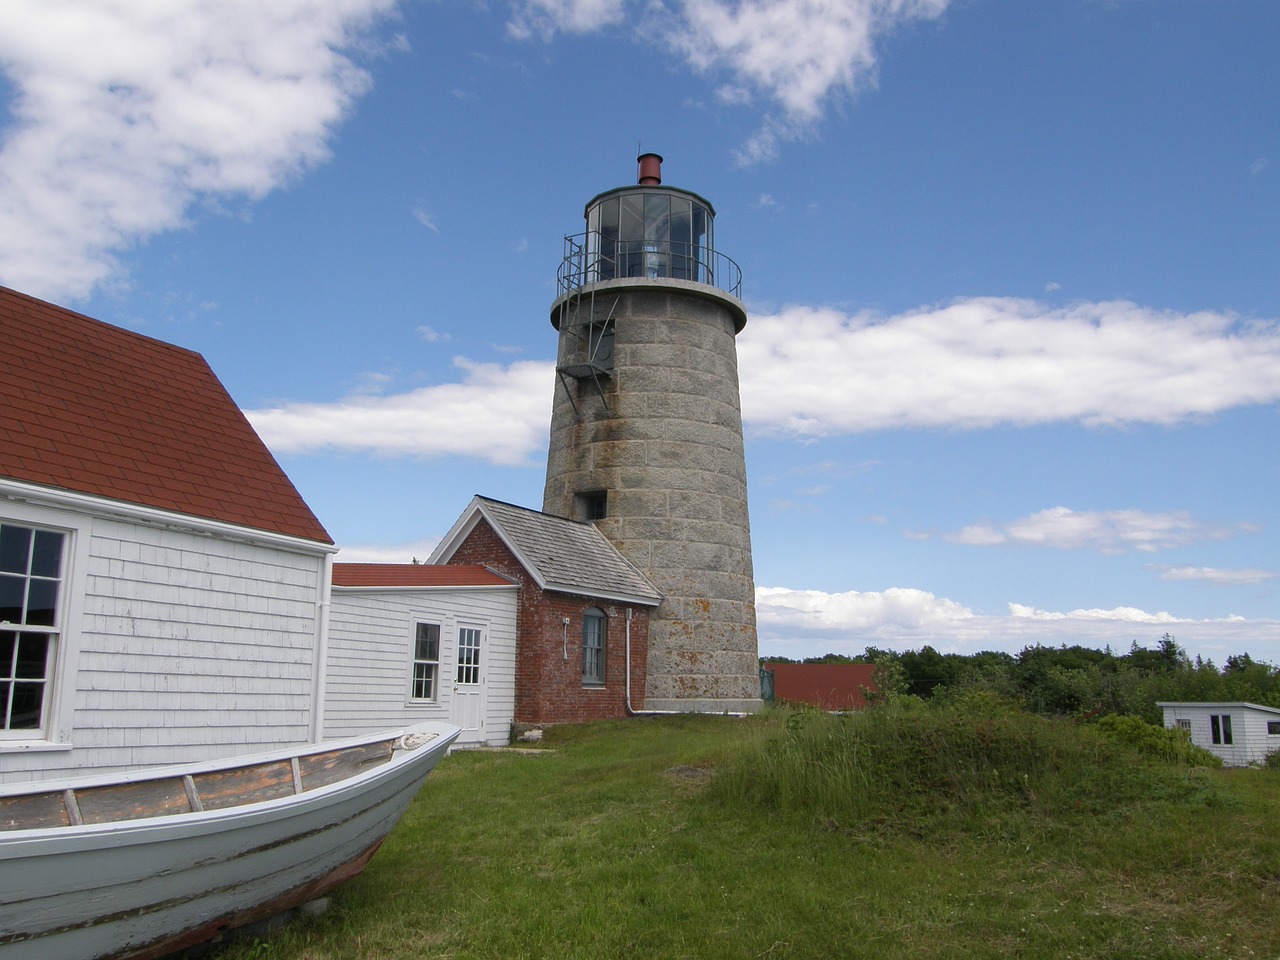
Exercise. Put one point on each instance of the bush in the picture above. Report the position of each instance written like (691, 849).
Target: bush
(1163, 743)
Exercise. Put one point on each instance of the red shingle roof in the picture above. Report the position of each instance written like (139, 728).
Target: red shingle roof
(92, 408)
(415, 575)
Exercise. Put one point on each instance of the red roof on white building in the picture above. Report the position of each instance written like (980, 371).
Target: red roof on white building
(98, 410)
(415, 575)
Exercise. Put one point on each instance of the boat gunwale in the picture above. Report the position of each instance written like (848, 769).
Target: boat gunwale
(18, 842)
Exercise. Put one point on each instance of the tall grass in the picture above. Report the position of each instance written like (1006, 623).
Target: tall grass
(936, 771)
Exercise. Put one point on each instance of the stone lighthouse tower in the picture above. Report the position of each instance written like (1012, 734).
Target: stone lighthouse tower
(646, 430)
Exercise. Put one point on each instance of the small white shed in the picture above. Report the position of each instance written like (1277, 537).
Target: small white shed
(410, 642)
(1240, 733)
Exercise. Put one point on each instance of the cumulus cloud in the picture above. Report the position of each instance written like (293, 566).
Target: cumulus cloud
(1106, 531)
(500, 414)
(985, 361)
(125, 114)
(794, 54)
(807, 623)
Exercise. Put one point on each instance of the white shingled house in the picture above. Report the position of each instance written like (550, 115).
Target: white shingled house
(1240, 733)
(163, 586)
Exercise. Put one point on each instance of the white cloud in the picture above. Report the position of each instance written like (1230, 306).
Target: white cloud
(1217, 577)
(387, 553)
(500, 414)
(544, 18)
(796, 54)
(812, 610)
(426, 218)
(125, 114)
(986, 361)
(805, 623)
(1107, 531)
(432, 335)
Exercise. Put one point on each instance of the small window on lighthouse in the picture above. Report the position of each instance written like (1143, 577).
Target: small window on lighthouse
(592, 505)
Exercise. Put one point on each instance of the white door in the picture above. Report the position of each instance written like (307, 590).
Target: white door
(468, 685)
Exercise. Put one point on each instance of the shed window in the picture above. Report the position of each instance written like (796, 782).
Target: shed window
(30, 614)
(1220, 728)
(426, 661)
(1184, 725)
(1273, 728)
(593, 647)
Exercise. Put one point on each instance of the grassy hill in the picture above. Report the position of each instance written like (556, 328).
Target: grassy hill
(968, 831)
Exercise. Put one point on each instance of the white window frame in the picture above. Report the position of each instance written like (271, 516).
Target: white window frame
(415, 661)
(1220, 733)
(595, 658)
(56, 730)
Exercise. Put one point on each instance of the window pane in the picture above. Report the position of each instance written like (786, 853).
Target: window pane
(1226, 728)
(8, 644)
(46, 558)
(11, 591)
(1215, 732)
(15, 548)
(32, 648)
(424, 681)
(25, 709)
(42, 599)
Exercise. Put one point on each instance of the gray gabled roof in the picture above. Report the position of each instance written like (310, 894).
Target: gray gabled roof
(563, 555)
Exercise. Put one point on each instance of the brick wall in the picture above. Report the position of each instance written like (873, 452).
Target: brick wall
(549, 686)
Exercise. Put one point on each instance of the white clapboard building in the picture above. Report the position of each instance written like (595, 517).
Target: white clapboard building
(163, 585)
(410, 642)
(1240, 733)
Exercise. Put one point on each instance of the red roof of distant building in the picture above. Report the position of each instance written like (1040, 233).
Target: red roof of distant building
(92, 408)
(415, 575)
(831, 686)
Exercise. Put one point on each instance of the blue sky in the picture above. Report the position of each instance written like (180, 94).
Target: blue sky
(1012, 368)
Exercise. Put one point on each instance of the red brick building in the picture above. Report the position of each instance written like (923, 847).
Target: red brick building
(583, 623)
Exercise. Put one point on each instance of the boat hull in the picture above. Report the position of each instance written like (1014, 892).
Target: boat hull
(148, 887)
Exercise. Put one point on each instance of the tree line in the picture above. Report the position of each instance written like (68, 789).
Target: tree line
(1070, 680)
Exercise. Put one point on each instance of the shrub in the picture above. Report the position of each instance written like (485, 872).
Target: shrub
(1163, 743)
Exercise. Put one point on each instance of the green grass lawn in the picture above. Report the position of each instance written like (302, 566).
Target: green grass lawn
(1031, 839)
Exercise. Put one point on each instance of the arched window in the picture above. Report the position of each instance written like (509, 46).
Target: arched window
(593, 646)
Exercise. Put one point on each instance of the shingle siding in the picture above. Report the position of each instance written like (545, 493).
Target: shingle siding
(189, 647)
(370, 647)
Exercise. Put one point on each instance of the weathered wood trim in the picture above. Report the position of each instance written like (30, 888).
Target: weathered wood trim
(73, 808)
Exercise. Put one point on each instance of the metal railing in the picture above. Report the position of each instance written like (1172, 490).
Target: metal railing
(590, 258)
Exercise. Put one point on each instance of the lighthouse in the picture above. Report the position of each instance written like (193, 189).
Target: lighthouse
(646, 430)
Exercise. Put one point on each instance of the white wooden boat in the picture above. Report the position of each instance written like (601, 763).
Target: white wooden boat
(143, 864)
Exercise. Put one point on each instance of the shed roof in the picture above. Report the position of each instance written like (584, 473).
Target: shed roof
(98, 410)
(1218, 705)
(415, 575)
(563, 555)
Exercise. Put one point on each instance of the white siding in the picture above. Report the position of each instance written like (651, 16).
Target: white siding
(370, 654)
(184, 647)
(1250, 742)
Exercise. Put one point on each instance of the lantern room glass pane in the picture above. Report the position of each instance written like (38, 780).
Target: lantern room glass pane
(682, 239)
